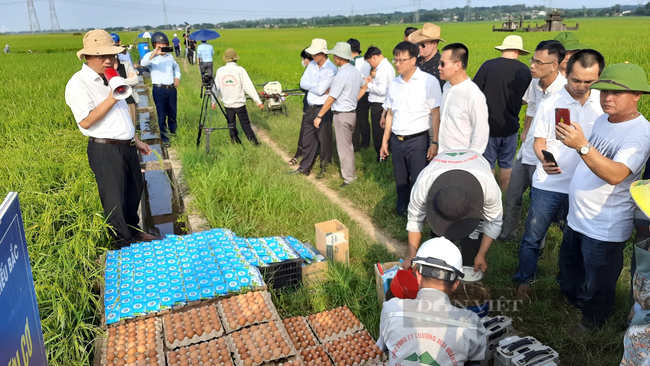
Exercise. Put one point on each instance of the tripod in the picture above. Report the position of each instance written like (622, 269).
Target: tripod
(205, 118)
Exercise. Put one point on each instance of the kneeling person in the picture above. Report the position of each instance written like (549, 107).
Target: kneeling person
(429, 328)
(347, 88)
(233, 83)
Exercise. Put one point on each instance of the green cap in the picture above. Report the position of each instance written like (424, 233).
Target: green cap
(625, 76)
(570, 41)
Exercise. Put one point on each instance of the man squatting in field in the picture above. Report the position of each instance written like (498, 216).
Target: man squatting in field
(112, 142)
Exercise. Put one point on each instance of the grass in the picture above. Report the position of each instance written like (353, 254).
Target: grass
(43, 158)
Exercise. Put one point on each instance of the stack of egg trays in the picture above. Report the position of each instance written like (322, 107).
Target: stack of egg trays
(285, 337)
(340, 334)
(196, 339)
(305, 250)
(214, 361)
(316, 340)
(269, 303)
(377, 360)
(159, 347)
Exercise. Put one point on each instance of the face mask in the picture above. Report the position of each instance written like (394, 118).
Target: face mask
(305, 63)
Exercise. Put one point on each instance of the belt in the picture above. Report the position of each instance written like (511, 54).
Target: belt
(319, 106)
(402, 138)
(339, 112)
(112, 141)
(164, 86)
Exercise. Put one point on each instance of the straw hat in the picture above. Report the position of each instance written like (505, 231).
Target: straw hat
(624, 77)
(513, 43)
(429, 32)
(230, 55)
(98, 42)
(342, 50)
(318, 45)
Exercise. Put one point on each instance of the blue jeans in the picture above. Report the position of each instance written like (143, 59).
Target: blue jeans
(589, 270)
(165, 100)
(545, 208)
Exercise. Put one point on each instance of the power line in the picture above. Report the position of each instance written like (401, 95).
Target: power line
(54, 19)
(33, 19)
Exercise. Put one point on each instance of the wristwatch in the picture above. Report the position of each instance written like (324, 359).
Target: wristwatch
(585, 149)
(434, 142)
(319, 117)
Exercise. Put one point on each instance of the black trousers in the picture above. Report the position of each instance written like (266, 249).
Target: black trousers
(245, 122)
(409, 159)
(361, 133)
(377, 131)
(119, 180)
(313, 138)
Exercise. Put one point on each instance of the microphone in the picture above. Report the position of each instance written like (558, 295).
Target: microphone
(117, 84)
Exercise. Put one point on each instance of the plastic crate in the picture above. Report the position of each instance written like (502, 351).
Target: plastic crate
(283, 274)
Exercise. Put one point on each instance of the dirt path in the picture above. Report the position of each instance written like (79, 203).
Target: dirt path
(395, 246)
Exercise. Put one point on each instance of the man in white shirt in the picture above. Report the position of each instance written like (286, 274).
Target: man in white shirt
(455, 193)
(204, 53)
(464, 111)
(361, 135)
(601, 210)
(412, 103)
(317, 80)
(429, 330)
(112, 143)
(547, 81)
(347, 88)
(549, 194)
(377, 90)
(233, 83)
(165, 76)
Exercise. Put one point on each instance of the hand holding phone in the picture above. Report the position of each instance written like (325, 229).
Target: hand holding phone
(549, 157)
(167, 49)
(562, 115)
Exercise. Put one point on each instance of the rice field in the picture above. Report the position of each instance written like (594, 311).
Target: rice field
(43, 158)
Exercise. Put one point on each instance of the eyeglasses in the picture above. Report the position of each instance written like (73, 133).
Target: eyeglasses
(539, 62)
(400, 60)
(424, 44)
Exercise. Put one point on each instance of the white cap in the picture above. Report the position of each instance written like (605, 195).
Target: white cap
(175, 34)
(318, 45)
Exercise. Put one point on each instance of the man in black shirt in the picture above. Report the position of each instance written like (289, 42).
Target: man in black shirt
(504, 81)
(427, 38)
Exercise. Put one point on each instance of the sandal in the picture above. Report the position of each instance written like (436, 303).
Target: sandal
(293, 161)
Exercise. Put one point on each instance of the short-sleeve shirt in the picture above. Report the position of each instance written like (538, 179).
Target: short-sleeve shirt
(176, 42)
(345, 88)
(431, 66)
(204, 52)
(412, 102)
(598, 209)
(567, 158)
(504, 82)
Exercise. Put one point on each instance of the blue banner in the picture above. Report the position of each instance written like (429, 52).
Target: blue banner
(21, 336)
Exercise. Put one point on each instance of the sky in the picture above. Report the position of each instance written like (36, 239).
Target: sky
(73, 14)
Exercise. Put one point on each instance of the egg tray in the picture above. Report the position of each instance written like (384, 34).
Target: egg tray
(195, 339)
(285, 337)
(289, 361)
(340, 334)
(220, 360)
(377, 360)
(326, 362)
(308, 327)
(267, 300)
(160, 354)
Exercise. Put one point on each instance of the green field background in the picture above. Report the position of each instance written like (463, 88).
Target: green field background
(43, 158)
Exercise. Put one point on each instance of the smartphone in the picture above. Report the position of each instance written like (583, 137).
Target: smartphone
(549, 157)
(167, 49)
(562, 115)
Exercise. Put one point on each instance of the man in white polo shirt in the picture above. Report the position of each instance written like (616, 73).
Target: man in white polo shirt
(112, 143)
(377, 90)
(464, 111)
(549, 194)
(347, 88)
(412, 103)
(547, 81)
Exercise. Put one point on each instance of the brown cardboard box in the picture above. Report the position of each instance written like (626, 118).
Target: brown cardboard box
(314, 272)
(332, 240)
(381, 296)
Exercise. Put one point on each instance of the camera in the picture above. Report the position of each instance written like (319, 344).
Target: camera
(167, 49)
(207, 80)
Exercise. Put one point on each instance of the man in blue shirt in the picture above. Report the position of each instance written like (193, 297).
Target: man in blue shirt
(204, 53)
(165, 76)
(177, 45)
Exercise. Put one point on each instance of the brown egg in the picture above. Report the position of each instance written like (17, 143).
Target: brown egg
(277, 352)
(286, 350)
(267, 355)
(121, 354)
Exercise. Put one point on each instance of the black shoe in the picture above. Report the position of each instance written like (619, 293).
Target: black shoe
(257, 144)
(298, 171)
(321, 174)
(344, 184)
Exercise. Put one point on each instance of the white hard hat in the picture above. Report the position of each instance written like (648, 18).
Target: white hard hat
(174, 34)
(439, 253)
